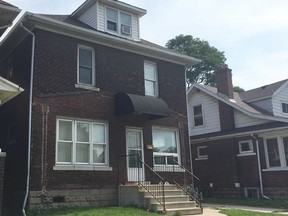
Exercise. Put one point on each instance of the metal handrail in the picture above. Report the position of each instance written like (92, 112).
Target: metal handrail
(146, 186)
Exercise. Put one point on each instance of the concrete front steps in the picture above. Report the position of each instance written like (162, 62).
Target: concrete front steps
(175, 199)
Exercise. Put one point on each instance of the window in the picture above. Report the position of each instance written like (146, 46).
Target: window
(86, 67)
(198, 116)
(151, 79)
(285, 108)
(202, 152)
(246, 147)
(276, 150)
(81, 142)
(166, 146)
(118, 22)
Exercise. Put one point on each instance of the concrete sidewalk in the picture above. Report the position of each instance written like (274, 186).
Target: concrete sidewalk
(213, 209)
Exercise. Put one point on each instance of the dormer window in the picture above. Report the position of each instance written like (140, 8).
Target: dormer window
(118, 22)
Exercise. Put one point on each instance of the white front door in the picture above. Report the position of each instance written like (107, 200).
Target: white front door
(134, 145)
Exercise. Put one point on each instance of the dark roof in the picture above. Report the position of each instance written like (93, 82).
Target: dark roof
(262, 92)
(68, 19)
(73, 21)
(236, 100)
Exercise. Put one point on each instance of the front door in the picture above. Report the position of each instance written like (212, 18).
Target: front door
(134, 145)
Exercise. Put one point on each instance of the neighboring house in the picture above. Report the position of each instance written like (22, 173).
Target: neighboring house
(240, 140)
(94, 92)
(8, 90)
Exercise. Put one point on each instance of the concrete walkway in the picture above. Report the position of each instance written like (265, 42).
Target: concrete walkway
(212, 209)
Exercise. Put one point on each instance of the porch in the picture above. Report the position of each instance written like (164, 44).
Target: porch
(162, 188)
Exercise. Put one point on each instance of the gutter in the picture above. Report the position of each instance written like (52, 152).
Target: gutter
(30, 118)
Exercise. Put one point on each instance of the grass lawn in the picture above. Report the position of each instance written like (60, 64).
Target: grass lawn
(233, 212)
(109, 211)
(282, 204)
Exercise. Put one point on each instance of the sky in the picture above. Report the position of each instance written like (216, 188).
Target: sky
(252, 34)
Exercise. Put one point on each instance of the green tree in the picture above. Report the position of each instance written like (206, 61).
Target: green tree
(212, 58)
(238, 89)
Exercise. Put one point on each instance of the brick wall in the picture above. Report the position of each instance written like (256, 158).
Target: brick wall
(55, 96)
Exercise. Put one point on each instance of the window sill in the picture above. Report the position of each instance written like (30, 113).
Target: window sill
(82, 167)
(167, 169)
(87, 87)
(271, 169)
(201, 158)
(246, 154)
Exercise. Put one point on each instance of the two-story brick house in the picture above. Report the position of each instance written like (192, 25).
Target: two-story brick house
(94, 92)
(239, 140)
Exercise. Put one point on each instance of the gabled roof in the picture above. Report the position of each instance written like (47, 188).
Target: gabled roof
(8, 13)
(236, 103)
(263, 92)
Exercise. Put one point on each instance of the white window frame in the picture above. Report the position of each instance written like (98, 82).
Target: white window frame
(251, 149)
(286, 103)
(79, 84)
(119, 23)
(281, 149)
(155, 81)
(199, 156)
(178, 154)
(202, 115)
(73, 165)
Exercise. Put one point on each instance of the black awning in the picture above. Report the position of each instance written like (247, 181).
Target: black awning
(137, 104)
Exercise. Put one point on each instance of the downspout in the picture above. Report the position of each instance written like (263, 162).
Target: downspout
(259, 167)
(30, 118)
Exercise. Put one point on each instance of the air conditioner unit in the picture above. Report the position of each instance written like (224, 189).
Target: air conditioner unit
(126, 29)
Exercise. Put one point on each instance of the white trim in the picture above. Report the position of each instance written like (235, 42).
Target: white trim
(201, 157)
(82, 167)
(156, 86)
(204, 158)
(178, 154)
(87, 87)
(246, 154)
(251, 148)
(280, 88)
(286, 103)
(73, 162)
(281, 150)
(275, 169)
(202, 115)
(93, 84)
(118, 23)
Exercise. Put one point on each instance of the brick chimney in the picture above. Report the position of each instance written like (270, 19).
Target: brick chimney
(224, 81)
(224, 85)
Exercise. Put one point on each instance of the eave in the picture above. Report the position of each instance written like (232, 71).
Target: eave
(33, 21)
(8, 90)
(7, 15)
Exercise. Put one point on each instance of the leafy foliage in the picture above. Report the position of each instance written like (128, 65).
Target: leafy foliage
(238, 89)
(211, 58)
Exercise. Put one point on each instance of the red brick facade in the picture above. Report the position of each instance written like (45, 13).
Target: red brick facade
(55, 95)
